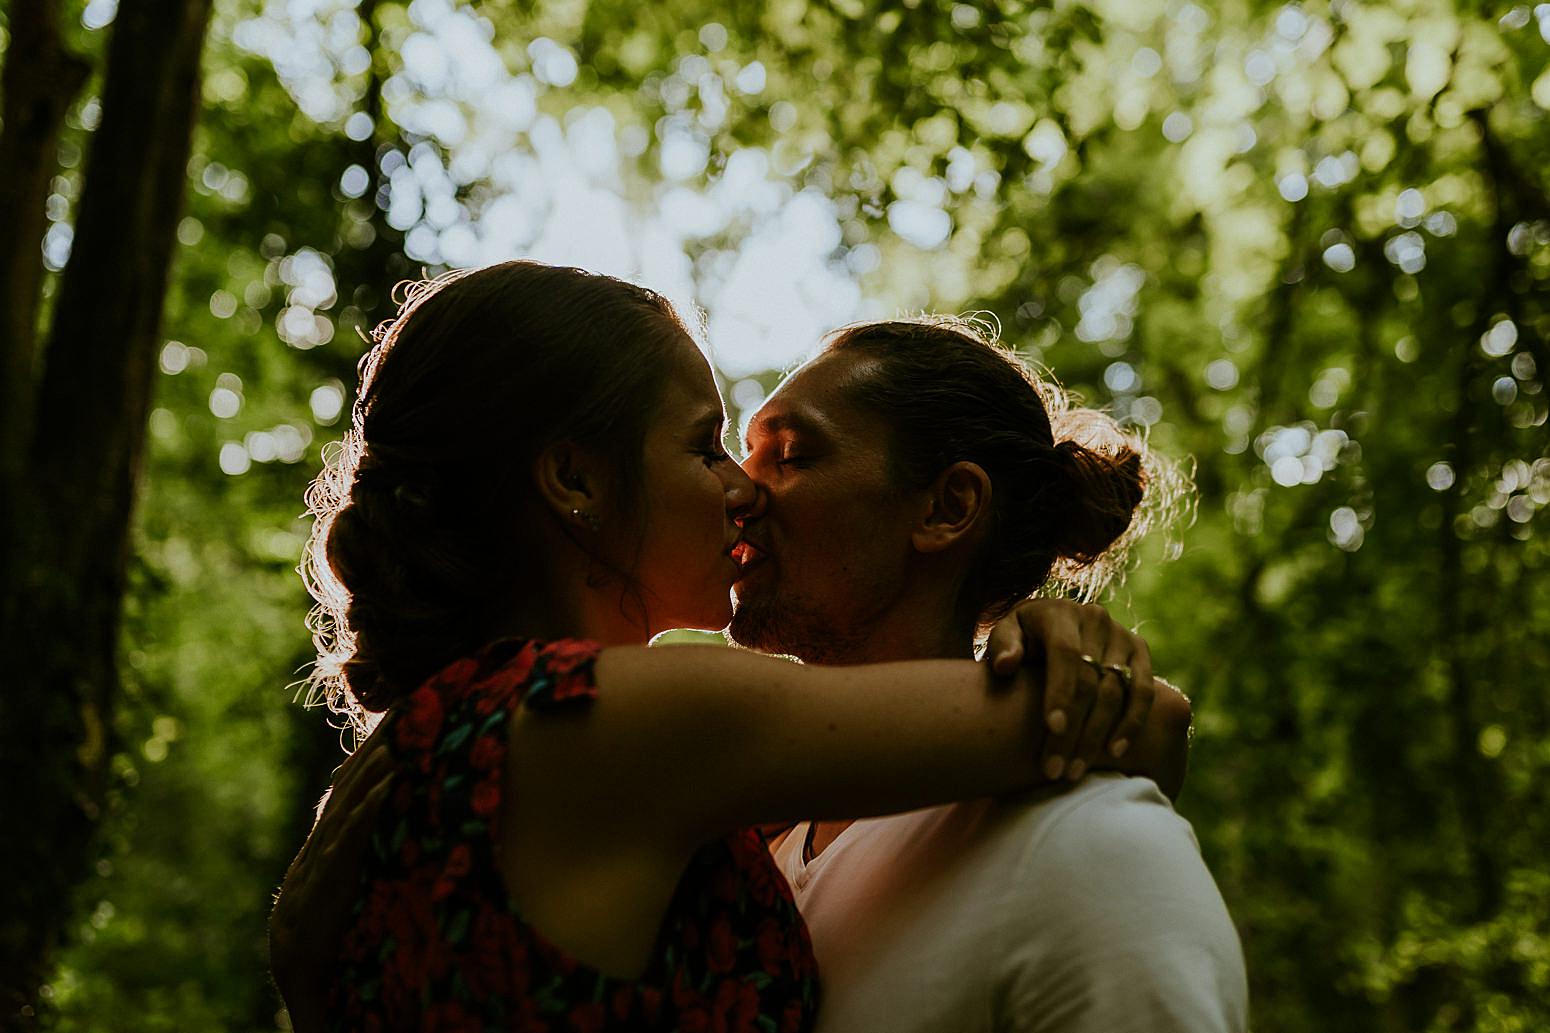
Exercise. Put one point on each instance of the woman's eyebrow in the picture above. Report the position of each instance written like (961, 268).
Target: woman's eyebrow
(708, 421)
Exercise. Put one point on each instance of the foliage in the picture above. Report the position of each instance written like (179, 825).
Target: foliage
(1307, 245)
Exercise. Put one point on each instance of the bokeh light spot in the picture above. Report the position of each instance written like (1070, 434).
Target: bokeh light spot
(234, 459)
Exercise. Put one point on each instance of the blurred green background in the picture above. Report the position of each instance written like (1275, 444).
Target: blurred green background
(1307, 245)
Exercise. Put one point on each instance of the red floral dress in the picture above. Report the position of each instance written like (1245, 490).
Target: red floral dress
(435, 944)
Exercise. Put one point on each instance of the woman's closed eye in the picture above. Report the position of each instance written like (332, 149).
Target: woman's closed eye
(714, 454)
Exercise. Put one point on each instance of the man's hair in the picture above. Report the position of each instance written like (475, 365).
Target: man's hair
(1067, 482)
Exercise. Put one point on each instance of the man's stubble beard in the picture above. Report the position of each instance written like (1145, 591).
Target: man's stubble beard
(797, 627)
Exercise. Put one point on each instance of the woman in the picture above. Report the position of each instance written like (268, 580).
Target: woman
(533, 487)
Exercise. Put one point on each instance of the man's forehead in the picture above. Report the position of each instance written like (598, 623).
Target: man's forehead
(815, 398)
(775, 417)
(802, 401)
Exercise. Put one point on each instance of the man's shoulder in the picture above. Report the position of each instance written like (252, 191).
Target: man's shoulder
(1075, 903)
(1094, 857)
(1039, 844)
(1110, 861)
(1113, 903)
(1101, 815)
(1102, 812)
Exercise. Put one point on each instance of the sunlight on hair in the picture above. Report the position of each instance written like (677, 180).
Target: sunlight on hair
(1168, 500)
(324, 684)
(1167, 504)
(329, 492)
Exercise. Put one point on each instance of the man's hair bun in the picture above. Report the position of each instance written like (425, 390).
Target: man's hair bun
(1073, 488)
(1104, 493)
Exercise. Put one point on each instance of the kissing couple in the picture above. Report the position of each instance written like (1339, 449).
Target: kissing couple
(554, 827)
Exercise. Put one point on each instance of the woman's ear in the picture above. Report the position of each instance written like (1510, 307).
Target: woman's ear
(957, 506)
(571, 481)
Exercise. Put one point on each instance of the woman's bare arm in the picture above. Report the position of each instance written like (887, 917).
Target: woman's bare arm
(706, 739)
(690, 742)
(1161, 752)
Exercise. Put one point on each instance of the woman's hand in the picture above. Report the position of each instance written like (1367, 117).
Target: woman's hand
(1090, 715)
(312, 910)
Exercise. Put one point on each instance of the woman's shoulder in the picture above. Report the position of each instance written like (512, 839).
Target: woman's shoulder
(546, 671)
(536, 674)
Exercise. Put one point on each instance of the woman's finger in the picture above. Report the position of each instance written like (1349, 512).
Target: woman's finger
(1110, 703)
(1056, 629)
(1143, 692)
(349, 819)
(1115, 691)
(1078, 683)
(365, 761)
(347, 841)
(360, 775)
(1004, 646)
(1083, 632)
(315, 893)
(363, 775)
(1097, 630)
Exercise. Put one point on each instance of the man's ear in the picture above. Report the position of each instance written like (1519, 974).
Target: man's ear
(571, 481)
(957, 504)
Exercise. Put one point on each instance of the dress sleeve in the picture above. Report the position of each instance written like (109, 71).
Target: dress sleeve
(562, 675)
(1116, 926)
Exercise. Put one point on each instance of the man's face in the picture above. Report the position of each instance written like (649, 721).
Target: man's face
(831, 543)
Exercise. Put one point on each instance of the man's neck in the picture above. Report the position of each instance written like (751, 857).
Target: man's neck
(902, 639)
(907, 639)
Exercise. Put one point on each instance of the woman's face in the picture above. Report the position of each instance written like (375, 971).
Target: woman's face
(692, 493)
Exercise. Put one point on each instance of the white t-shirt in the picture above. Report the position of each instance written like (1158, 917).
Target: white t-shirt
(1084, 910)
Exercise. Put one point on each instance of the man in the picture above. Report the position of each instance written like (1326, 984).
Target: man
(1087, 910)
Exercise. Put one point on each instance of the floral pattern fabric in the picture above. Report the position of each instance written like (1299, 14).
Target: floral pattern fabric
(435, 944)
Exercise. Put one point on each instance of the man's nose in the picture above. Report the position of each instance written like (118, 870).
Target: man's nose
(745, 498)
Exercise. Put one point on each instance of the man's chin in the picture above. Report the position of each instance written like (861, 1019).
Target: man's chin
(743, 633)
(787, 627)
(754, 626)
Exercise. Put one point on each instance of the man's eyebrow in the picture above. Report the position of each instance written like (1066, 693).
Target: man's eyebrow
(773, 423)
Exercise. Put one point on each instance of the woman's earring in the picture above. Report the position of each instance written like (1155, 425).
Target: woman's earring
(590, 519)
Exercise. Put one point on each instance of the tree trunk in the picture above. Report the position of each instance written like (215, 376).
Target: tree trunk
(60, 605)
(40, 81)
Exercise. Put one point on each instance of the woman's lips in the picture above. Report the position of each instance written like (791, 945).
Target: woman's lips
(747, 556)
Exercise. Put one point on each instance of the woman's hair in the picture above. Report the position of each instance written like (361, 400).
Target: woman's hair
(1071, 490)
(418, 550)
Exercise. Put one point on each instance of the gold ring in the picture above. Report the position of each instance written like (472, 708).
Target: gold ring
(1122, 670)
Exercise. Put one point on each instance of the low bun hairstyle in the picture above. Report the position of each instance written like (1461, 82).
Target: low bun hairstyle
(1071, 489)
(1104, 492)
(417, 552)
